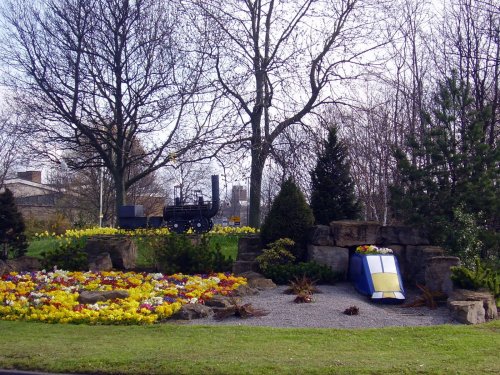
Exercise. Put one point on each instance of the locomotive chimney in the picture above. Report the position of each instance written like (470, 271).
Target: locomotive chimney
(215, 196)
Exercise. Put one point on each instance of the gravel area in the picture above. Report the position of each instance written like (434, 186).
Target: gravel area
(326, 311)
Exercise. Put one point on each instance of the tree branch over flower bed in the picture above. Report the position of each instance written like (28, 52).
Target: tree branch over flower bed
(53, 296)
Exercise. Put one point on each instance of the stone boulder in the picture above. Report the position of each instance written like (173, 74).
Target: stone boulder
(245, 290)
(249, 248)
(257, 281)
(467, 312)
(122, 251)
(416, 259)
(472, 307)
(389, 235)
(3, 267)
(220, 302)
(438, 273)
(192, 311)
(337, 258)
(24, 263)
(102, 262)
(354, 233)
(320, 235)
(93, 296)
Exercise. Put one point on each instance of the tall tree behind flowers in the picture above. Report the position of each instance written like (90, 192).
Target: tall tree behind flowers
(455, 173)
(332, 196)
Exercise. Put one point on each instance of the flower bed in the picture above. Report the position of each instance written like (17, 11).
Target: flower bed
(372, 250)
(79, 233)
(53, 296)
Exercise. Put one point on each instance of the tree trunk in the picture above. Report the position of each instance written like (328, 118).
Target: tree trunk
(255, 190)
(121, 193)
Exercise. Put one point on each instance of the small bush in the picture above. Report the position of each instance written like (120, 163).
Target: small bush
(477, 278)
(67, 256)
(278, 252)
(12, 237)
(303, 285)
(285, 273)
(290, 217)
(184, 254)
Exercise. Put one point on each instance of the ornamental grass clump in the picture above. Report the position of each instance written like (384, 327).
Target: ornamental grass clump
(352, 310)
(303, 288)
(239, 310)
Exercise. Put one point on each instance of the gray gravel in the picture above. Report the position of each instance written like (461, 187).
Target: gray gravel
(326, 311)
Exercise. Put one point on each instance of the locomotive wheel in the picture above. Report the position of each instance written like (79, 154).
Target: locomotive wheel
(200, 225)
(178, 226)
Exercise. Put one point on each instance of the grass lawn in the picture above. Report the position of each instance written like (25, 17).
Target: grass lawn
(180, 349)
(228, 245)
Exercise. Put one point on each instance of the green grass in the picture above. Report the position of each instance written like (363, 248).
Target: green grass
(180, 349)
(36, 247)
(228, 244)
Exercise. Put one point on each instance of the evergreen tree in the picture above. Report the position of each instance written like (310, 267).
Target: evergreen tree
(332, 196)
(290, 217)
(12, 238)
(453, 174)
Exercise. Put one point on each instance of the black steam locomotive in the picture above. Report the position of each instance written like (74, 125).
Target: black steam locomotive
(179, 217)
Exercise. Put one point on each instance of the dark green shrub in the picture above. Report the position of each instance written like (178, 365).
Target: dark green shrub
(285, 273)
(481, 277)
(12, 227)
(290, 217)
(189, 255)
(67, 256)
(277, 253)
(332, 189)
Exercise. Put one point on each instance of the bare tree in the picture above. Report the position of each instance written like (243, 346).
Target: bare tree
(101, 75)
(8, 146)
(276, 61)
(468, 42)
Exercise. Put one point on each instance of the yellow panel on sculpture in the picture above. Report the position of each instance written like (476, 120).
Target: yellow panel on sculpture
(385, 282)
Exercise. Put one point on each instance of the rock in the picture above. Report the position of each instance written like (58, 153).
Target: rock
(486, 299)
(122, 250)
(3, 267)
(192, 311)
(249, 244)
(24, 263)
(241, 266)
(353, 233)
(247, 256)
(91, 297)
(245, 290)
(467, 312)
(438, 273)
(102, 262)
(416, 259)
(261, 284)
(337, 258)
(320, 235)
(401, 235)
(219, 302)
(249, 275)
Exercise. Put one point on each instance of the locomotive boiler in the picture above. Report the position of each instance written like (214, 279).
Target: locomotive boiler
(179, 217)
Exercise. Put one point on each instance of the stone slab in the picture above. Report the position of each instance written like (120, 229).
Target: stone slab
(354, 233)
(320, 235)
(337, 258)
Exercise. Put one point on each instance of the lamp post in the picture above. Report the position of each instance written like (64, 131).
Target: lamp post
(101, 178)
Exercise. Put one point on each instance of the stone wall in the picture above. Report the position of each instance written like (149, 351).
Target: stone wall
(332, 245)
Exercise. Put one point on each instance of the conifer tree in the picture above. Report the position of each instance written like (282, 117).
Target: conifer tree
(290, 217)
(12, 238)
(453, 174)
(332, 196)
